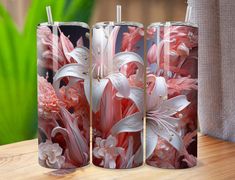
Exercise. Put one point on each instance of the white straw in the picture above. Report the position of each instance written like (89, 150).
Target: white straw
(49, 15)
(188, 13)
(119, 13)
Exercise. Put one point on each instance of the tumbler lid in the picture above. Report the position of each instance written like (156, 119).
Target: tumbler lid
(122, 23)
(82, 24)
(172, 23)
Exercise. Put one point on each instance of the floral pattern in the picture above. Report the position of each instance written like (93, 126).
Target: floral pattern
(63, 108)
(171, 112)
(117, 95)
(50, 155)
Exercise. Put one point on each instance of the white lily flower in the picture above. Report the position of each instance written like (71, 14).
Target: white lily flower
(107, 65)
(160, 112)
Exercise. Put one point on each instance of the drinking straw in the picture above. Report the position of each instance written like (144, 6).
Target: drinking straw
(49, 15)
(119, 13)
(188, 13)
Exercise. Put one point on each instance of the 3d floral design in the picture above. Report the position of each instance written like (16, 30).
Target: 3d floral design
(171, 112)
(106, 149)
(51, 155)
(48, 103)
(63, 108)
(117, 96)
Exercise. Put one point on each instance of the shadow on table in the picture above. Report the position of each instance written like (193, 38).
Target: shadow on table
(61, 172)
(64, 172)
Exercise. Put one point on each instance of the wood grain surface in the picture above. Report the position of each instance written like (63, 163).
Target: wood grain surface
(216, 161)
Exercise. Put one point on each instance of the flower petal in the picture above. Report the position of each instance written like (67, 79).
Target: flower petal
(111, 46)
(138, 157)
(112, 163)
(72, 70)
(152, 54)
(60, 130)
(66, 45)
(111, 142)
(81, 56)
(170, 136)
(120, 83)
(101, 152)
(87, 89)
(151, 139)
(156, 89)
(80, 42)
(76, 142)
(132, 123)
(130, 162)
(98, 87)
(183, 50)
(123, 58)
(99, 39)
(95, 152)
(137, 96)
(129, 151)
(174, 105)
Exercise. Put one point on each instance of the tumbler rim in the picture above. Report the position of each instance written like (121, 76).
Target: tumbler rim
(113, 23)
(72, 23)
(172, 23)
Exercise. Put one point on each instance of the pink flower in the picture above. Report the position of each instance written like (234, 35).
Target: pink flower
(182, 50)
(107, 150)
(172, 51)
(47, 44)
(54, 51)
(48, 103)
(188, 138)
(150, 33)
(181, 84)
(75, 101)
(165, 155)
(70, 96)
(50, 155)
(190, 160)
(152, 54)
(67, 47)
(131, 38)
(80, 42)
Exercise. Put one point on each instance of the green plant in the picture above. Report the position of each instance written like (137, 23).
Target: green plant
(18, 87)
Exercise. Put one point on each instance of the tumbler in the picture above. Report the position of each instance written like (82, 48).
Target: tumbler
(63, 101)
(171, 95)
(117, 94)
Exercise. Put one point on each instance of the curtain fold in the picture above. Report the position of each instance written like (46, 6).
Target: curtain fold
(216, 107)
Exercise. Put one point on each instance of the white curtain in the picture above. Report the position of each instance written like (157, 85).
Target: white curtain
(216, 20)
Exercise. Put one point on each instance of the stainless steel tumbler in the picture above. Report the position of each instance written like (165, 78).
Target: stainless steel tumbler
(63, 108)
(171, 92)
(117, 94)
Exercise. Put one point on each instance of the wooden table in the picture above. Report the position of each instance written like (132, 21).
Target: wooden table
(216, 161)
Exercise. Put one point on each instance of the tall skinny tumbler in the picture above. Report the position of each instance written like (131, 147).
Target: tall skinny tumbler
(117, 94)
(171, 92)
(63, 106)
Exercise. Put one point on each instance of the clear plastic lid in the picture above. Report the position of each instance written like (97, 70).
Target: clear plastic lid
(81, 24)
(112, 23)
(173, 23)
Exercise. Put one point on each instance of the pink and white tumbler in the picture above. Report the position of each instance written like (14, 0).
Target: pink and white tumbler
(63, 108)
(117, 94)
(171, 92)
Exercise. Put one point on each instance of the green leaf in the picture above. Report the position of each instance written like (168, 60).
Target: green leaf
(80, 10)
(18, 65)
